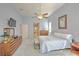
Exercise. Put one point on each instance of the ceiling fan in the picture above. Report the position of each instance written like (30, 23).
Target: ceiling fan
(41, 15)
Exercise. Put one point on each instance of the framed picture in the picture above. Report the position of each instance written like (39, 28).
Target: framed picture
(12, 22)
(62, 22)
(9, 31)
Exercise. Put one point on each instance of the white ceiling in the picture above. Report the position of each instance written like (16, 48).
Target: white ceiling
(29, 9)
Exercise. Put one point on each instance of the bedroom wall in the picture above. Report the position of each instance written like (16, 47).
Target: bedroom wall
(72, 11)
(7, 11)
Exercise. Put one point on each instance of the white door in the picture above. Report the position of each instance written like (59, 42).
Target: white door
(24, 31)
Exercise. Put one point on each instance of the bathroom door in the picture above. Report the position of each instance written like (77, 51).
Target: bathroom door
(24, 31)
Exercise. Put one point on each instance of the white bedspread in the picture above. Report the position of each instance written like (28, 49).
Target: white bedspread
(48, 44)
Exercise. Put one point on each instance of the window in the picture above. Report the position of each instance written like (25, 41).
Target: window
(50, 29)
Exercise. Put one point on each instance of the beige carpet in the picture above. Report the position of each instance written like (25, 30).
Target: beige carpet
(27, 49)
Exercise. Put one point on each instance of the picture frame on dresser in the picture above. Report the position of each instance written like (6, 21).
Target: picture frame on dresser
(62, 22)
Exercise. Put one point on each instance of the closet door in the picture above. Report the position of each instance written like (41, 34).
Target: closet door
(24, 31)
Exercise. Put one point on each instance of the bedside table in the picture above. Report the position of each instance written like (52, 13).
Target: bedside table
(75, 48)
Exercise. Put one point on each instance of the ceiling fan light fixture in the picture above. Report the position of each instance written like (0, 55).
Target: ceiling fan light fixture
(40, 17)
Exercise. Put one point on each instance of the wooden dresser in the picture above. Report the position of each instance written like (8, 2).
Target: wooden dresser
(7, 49)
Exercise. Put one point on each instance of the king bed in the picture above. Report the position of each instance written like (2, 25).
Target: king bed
(55, 42)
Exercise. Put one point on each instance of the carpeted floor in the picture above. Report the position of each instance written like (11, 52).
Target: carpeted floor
(27, 49)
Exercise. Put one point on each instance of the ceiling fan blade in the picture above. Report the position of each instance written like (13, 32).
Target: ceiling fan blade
(45, 14)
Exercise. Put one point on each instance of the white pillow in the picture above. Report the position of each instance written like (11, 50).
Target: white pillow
(62, 35)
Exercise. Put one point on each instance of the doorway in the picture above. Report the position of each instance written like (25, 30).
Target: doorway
(24, 31)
